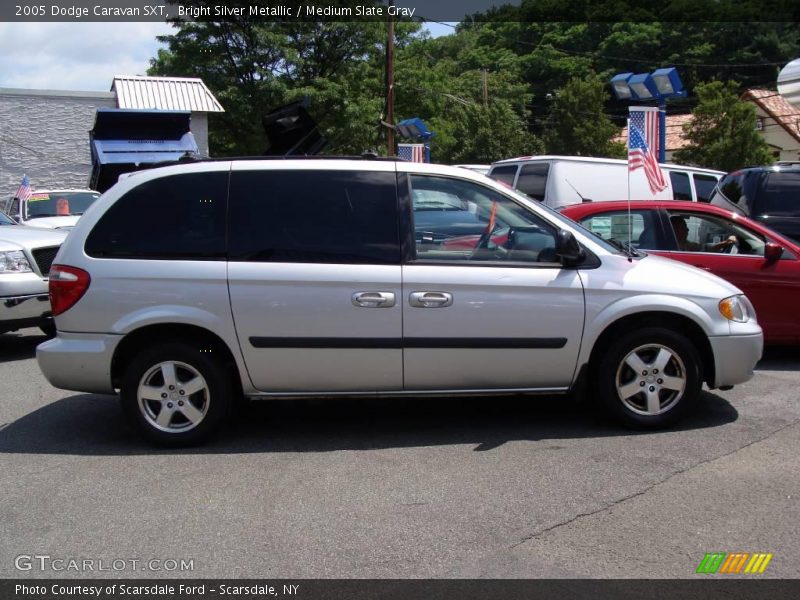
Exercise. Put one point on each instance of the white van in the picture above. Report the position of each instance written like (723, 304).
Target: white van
(562, 180)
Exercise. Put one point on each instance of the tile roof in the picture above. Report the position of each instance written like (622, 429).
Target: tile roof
(675, 139)
(778, 108)
(164, 93)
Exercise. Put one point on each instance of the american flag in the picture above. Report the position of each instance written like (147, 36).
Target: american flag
(24, 189)
(412, 152)
(643, 146)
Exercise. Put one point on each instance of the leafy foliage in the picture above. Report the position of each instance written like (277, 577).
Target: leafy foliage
(484, 90)
(723, 132)
(578, 124)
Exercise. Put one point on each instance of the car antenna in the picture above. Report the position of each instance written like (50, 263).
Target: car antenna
(577, 192)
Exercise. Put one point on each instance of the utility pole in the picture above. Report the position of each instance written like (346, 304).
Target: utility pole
(485, 87)
(390, 148)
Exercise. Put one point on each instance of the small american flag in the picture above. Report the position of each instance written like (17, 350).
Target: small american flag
(24, 189)
(412, 152)
(643, 140)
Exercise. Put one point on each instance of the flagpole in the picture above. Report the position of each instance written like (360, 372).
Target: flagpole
(630, 224)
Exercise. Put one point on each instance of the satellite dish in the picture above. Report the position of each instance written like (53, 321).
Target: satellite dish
(789, 82)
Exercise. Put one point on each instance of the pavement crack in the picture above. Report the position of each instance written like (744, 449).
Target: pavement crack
(644, 491)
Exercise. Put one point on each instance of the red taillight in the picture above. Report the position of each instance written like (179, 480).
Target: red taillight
(67, 285)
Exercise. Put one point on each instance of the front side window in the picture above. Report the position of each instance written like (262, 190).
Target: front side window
(58, 204)
(346, 217)
(475, 223)
(731, 187)
(174, 217)
(709, 233)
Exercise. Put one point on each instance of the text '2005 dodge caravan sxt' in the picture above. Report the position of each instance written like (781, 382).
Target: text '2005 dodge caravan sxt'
(184, 287)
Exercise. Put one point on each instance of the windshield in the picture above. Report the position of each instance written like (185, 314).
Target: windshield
(58, 204)
(6, 220)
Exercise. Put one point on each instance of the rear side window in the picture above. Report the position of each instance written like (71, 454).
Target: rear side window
(174, 217)
(640, 227)
(345, 217)
(681, 189)
(533, 180)
(704, 186)
(780, 194)
(505, 173)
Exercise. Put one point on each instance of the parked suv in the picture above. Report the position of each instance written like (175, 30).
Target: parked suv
(26, 254)
(770, 195)
(284, 278)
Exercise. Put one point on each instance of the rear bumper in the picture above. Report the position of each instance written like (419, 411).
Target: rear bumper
(735, 357)
(28, 310)
(79, 362)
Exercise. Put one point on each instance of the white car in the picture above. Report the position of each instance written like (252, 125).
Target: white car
(53, 209)
(26, 254)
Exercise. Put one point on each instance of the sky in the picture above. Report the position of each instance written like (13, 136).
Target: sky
(84, 56)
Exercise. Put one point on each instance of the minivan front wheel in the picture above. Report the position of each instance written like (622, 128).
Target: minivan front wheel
(176, 394)
(649, 378)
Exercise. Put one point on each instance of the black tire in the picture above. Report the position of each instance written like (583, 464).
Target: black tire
(667, 404)
(49, 329)
(190, 417)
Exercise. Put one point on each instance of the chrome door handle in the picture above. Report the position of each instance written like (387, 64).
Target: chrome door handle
(373, 299)
(430, 299)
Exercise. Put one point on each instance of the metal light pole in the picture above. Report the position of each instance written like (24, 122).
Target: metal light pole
(647, 87)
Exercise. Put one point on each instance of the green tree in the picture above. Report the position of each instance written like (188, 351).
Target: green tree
(722, 135)
(578, 124)
(254, 65)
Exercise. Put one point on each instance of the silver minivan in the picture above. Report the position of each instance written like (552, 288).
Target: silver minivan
(187, 286)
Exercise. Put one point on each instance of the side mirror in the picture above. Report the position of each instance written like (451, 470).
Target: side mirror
(568, 249)
(773, 252)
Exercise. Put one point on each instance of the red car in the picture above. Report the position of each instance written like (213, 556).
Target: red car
(762, 263)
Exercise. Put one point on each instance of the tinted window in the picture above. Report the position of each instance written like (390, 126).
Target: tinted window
(731, 187)
(4, 220)
(505, 173)
(180, 216)
(13, 208)
(314, 216)
(680, 186)
(780, 194)
(533, 180)
(704, 186)
(476, 223)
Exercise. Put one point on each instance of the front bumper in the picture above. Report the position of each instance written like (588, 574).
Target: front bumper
(735, 357)
(29, 310)
(79, 362)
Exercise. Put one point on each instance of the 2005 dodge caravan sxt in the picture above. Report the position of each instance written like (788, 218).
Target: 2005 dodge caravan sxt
(185, 286)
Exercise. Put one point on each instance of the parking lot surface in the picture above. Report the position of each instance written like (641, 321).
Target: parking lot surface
(509, 487)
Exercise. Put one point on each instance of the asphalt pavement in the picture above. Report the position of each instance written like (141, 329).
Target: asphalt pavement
(511, 487)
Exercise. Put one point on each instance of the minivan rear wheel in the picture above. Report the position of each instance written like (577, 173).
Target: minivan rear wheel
(176, 394)
(649, 378)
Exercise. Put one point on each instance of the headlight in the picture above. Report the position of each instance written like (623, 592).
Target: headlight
(14, 262)
(736, 308)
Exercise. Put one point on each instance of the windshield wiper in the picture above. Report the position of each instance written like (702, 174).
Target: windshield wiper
(623, 246)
